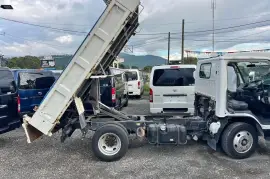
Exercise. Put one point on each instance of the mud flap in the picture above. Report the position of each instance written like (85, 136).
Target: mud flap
(212, 143)
(80, 109)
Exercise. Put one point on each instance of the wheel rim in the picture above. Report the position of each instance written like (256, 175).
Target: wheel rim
(109, 144)
(243, 141)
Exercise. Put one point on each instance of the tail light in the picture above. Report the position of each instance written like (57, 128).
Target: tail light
(19, 103)
(175, 67)
(139, 85)
(151, 95)
(113, 95)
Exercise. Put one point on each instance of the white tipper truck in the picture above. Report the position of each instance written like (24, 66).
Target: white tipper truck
(99, 49)
(218, 117)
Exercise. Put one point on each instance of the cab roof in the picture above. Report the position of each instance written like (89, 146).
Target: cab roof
(243, 55)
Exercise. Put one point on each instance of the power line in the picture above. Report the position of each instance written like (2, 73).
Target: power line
(29, 40)
(209, 30)
(207, 44)
(46, 27)
(200, 20)
(230, 27)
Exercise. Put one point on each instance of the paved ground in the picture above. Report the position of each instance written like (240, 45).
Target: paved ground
(50, 159)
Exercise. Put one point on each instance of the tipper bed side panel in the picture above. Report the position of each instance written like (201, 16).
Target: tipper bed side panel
(83, 64)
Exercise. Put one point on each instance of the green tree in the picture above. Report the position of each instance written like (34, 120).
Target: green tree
(29, 62)
(147, 69)
(190, 60)
(134, 67)
(122, 66)
(175, 62)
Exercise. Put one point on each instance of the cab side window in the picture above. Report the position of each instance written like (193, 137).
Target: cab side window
(231, 79)
(205, 70)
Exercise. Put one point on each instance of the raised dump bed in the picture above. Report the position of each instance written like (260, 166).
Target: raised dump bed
(99, 49)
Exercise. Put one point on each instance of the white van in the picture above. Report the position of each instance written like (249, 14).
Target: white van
(172, 89)
(135, 82)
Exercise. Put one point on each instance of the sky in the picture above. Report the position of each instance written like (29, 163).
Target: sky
(240, 25)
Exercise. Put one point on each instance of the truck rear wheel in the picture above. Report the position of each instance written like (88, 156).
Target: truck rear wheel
(110, 142)
(239, 140)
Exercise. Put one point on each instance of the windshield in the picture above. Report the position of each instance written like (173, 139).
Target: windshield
(254, 71)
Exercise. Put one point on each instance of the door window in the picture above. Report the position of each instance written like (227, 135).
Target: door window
(205, 70)
(231, 79)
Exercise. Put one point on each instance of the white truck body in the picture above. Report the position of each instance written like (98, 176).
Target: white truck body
(84, 63)
(215, 82)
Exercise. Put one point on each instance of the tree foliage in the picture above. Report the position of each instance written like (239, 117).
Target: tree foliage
(28, 62)
(135, 67)
(187, 60)
(147, 69)
(122, 66)
(191, 60)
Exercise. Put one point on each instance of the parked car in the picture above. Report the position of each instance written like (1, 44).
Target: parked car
(9, 117)
(135, 82)
(57, 73)
(113, 92)
(124, 73)
(32, 86)
(172, 89)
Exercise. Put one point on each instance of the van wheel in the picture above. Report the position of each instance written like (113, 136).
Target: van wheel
(239, 140)
(126, 103)
(110, 142)
(118, 104)
(139, 96)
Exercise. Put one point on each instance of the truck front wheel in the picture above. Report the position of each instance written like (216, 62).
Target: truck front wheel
(239, 140)
(110, 142)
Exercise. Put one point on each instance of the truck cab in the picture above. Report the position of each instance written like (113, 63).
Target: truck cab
(235, 105)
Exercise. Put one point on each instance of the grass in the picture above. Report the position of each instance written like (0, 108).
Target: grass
(146, 89)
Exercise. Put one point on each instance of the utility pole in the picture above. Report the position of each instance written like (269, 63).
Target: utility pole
(183, 40)
(213, 7)
(169, 46)
(1, 59)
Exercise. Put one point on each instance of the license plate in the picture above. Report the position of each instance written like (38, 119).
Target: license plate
(175, 99)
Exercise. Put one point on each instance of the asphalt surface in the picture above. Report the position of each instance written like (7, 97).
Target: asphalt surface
(50, 159)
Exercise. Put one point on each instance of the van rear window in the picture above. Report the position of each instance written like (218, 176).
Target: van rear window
(174, 77)
(7, 83)
(35, 80)
(132, 75)
(6, 78)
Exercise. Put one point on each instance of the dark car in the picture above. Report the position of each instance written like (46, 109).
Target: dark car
(9, 117)
(32, 86)
(112, 91)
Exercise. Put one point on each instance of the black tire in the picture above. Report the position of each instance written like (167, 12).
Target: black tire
(112, 129)
(139, 96)
(126, 103)
(230, 133)
(118, 124)
(118, 104)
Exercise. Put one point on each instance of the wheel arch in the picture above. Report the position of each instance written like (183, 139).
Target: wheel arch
(248, 120)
